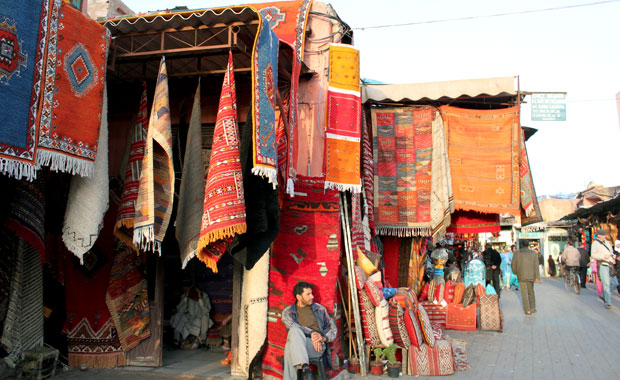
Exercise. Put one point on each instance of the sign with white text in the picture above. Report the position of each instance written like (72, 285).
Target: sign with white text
(548, 107)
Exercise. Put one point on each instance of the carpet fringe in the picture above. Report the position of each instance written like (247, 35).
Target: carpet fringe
(144, 239)
(403, 231)
(290, 187)
(61, 162)
(98, 360)
(355, 189)
(270, 173)
(221, 233)
(208, 261)
(18, 169)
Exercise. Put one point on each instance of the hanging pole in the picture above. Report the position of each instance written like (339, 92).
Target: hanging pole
(344, 216)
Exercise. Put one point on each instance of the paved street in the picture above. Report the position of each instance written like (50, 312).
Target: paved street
(570, 337)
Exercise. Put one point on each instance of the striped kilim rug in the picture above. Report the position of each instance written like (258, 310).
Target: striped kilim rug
(156, 190)
(223, 213)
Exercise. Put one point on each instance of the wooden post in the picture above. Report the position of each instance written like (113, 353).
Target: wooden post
(346, 233)
(235, 369)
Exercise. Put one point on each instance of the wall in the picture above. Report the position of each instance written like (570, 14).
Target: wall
(107, 8)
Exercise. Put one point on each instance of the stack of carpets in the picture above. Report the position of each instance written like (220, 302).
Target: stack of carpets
(307, 249)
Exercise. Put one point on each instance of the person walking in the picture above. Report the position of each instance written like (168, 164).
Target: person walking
(492, 261)
(603, 253)
(584, 261)
(506, 270)
(551, 264)
(525, 266)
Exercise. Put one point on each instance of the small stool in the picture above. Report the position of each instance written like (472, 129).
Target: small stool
(320, 367)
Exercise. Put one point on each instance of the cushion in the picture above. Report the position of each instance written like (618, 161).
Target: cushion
(413, 327)
(383, 324)
(360, 277)
(374, 293)
(462, 318)
(480, 290)
(437, 332)
(425, 325)
(440, 292)
(469, 295)
(371, 335)
(490, 314)
(424, 293)
(376, 278)
(403, 297)
(459, 291)
(436, 312)
(397, 324)
(489, 290)
(364, 262)
(388, 292)
(431, 361)
(432, 286)
(449, 292)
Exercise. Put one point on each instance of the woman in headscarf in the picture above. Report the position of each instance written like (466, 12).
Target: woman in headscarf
(506, 256)
(551, 262)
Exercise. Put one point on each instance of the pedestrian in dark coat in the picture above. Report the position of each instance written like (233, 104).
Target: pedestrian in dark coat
(551, 263)
(492, 262)
(584, 260)
(525, 266)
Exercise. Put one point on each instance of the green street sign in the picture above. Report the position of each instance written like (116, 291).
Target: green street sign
(548, 107)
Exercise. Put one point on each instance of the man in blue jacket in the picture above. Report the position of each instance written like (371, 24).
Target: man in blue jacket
(310, 328)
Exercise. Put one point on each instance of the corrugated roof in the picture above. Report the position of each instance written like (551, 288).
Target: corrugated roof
(194, 18)
(437, 90)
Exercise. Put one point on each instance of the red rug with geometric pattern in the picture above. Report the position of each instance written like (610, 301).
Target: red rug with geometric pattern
(306, 249)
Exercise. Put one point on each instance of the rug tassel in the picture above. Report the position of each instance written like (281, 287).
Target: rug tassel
(209, 262)
(63, 163)
(270, 173)
(143, 238)
(355, 189)
(221, 233)
(403, 231)
(290, 187)
(18, 169)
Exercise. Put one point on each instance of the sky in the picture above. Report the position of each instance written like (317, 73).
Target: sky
(571, 48)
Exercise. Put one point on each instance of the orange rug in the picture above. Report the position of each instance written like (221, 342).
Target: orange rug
(483, 146)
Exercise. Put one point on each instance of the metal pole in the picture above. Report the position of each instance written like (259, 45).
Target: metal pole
(344, 216)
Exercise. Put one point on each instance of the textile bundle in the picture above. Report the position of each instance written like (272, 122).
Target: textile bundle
(88, 198)
(483, 146)
(265, 86)
(530, 210)
(288, 21)
(368, 174)
(342, 131)
(403, 147)
(23, 314)
(253, 314)
(24, 30)
(442, 200)
(127, 298)
(307, 249)
(127, 208)
(191, 192)
(92, 337)
(223, 214)
(262, 209)
(26, 214)
(471, 222)
(74, 77)
(155, 193)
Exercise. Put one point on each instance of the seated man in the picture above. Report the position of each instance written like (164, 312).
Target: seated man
(310, 328)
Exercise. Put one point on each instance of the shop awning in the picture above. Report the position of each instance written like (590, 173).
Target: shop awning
(502, 86)
(612, 205)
